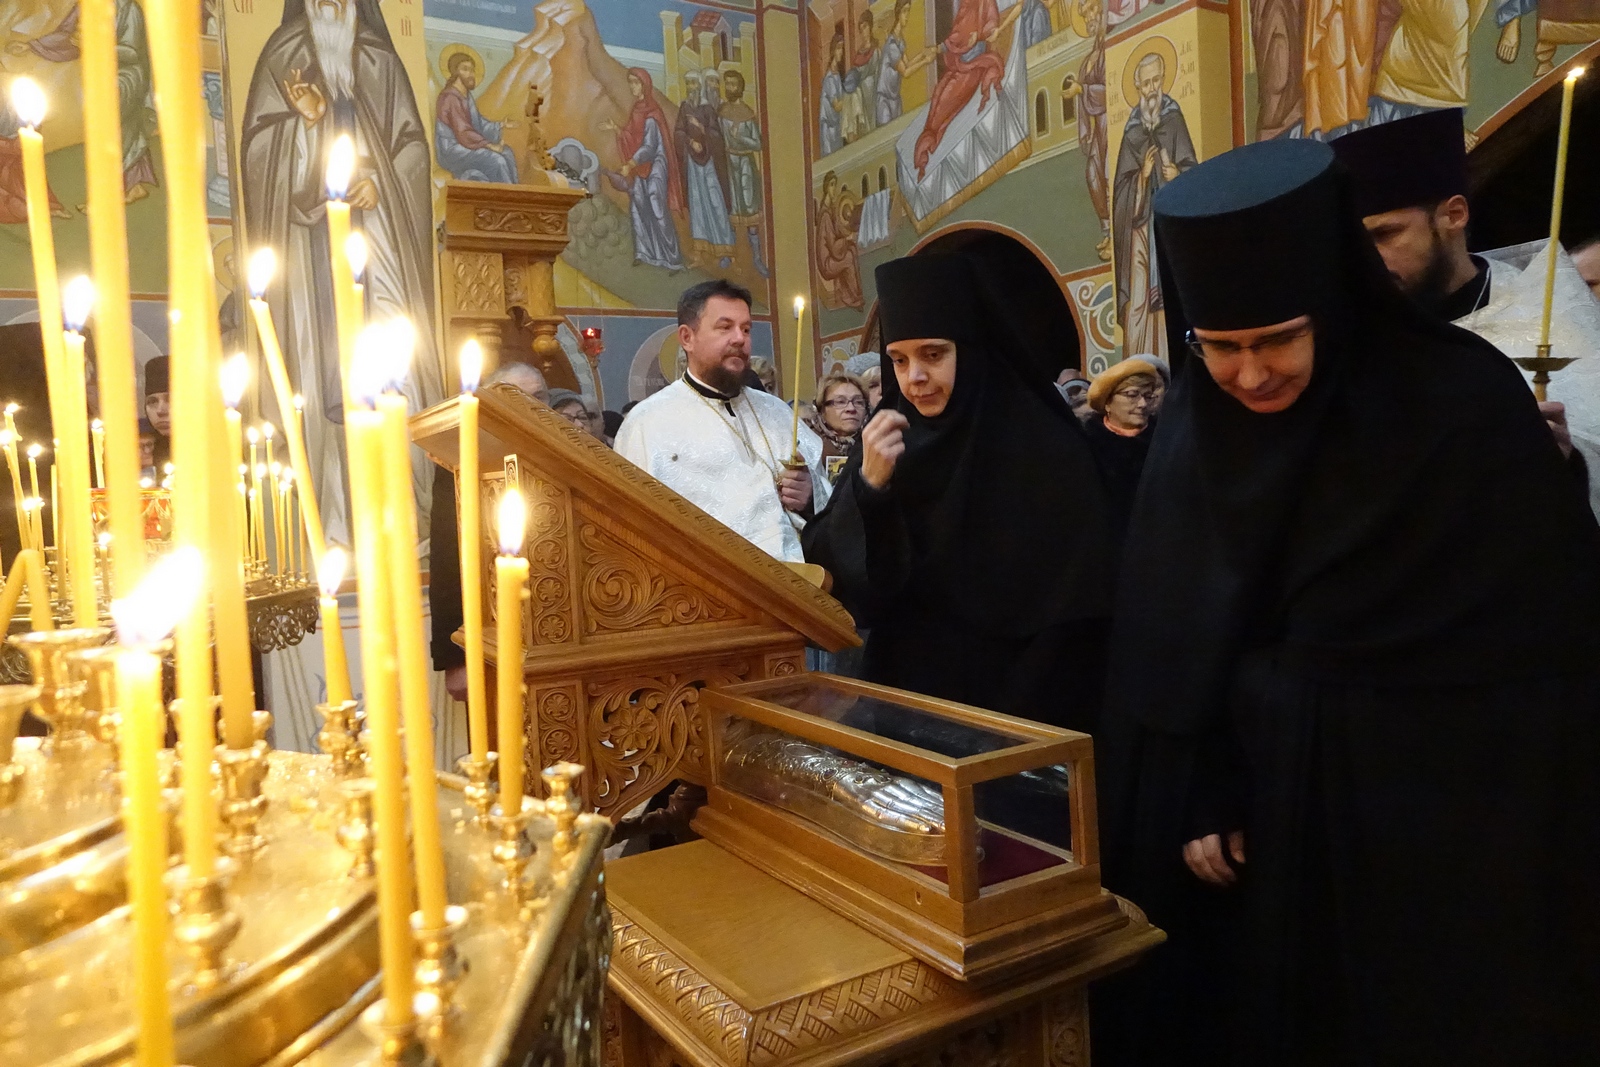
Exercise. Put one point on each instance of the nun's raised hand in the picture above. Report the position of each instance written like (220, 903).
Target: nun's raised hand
(1205, 859)
(882, 444)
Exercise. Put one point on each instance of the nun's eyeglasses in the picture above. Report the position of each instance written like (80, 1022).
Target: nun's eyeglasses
(1228, 350)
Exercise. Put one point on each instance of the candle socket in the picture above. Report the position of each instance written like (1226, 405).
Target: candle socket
(355, 831)
(398, 1044)
(339, 737)
(15, 700)
(1541, 364)
(440, 968)
(513, 850)
(62, 689)
(98, 667)
(243, 770)
(205, 924)
(563, 805)
(477, 790)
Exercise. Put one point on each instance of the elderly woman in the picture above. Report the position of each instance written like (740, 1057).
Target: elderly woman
(1122, 399)
(969, 532)
(841, 412)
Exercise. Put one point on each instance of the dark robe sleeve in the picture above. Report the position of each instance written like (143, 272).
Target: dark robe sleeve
(860, 539)
(444, 574)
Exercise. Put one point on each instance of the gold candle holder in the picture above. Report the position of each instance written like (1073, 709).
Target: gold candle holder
(61, 703)
(1541, 364)
(563, 806)
(440, 968)
(339, 737)
(513, 850)
(205, 924)
(98, 667)
(477, 790)
(15, 700)
(399, 1045)
(243, 770)
(355, 831)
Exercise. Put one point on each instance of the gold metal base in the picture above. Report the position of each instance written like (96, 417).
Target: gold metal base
(15, 700)
(243, 770)
(477, 791)
(512, 851)
(440, 968)
(61, 700)
(398, 1045)
(1542, 364)
(206, 925)
(355, 831)
(563, 806)
(338, 737)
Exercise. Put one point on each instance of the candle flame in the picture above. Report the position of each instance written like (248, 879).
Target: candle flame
(35, 451)
(261, 471)
(77, 300)
(399, 346)
(341, 165)
(13, 407)
(799, 306)
(369, 363)
(471, 365)
(235, 377)
(512, 521)
(168, 592)
(147, 483)
(6, 438)
(299, 402)
(286, 475)
(252, 435)
(1574, 74)
(96, 424)
(167, 468)
(330, 572)
(355, 250)
(103, 540)
(27, 100)
(263, 265)
(244, 469)
(268, 430)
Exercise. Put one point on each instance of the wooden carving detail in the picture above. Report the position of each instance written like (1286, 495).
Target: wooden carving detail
(780, 664)
(478, 282)
(993, 1045)
(514, 220)
(1066, 1033)
(641, 731)
(549, 562)
(516, 286)
(623, 590)
(837, 1012)
(555, 723)
(709, 1013)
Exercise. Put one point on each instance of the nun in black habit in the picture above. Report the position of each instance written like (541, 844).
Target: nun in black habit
(1361, 633)
(982, 567)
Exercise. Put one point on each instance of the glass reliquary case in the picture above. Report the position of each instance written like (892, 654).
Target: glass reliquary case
(966, 837)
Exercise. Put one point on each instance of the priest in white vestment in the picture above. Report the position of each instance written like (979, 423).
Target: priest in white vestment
(722, 446)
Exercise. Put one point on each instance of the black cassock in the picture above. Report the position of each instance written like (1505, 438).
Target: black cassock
(983, 569)
(1364, 631)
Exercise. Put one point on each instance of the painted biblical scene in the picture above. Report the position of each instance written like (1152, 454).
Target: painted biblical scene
(930, 115)
(1318, 68)
(655, 111)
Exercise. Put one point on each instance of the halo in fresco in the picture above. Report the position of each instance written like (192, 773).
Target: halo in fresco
(1150, 46)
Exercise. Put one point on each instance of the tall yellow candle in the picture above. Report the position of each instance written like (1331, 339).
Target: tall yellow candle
(355, 255)
(330, 574)
(263, 265)
(269, 433)
(341, 168)
(34, 452)
(246, 540)
(799, 347)
(8, 442)
(108, 246)
(1568, 84)
(411, 649)
(143, 619)
(235, 380)
(27, 574)
(72, 455)
(511, 582)
(97, 435)
(236, 680)
(55, 515)
(364, 431)
(32, 507)
(469, 497)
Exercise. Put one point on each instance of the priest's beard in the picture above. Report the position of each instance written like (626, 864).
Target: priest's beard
(1433, 287)
(723, 380)
(333, 37)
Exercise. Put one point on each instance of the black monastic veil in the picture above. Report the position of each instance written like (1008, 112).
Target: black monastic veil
(1364, 631)
(983, 569)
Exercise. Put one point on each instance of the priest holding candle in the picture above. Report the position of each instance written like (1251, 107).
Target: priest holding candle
(728, 449)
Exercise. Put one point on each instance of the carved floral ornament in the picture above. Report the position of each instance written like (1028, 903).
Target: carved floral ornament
(517, 220)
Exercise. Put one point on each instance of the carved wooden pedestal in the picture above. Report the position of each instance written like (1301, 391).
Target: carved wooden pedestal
(500, 247)
(637, 599)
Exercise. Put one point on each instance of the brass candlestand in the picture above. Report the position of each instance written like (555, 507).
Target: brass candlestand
(15, 700)
(512, 850)
(1542, 364)
(398, 1045)
(61, 701)
(440, 968)
(338, 737)
(563, 806)
(206, 925)
(477, 791)
(243, 771)
(355, 831)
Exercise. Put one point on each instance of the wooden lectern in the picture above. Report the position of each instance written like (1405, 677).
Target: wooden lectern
(767, 943)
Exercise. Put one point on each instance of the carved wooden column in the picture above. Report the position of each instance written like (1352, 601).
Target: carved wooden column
(500, 246)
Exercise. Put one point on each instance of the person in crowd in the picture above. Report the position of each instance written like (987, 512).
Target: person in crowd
(158, 409)
(1354, 698)
(872, 378)
(1074, 388)
(1586, 257)
(842, 405)
(444, 553)
(1122, 400)
(1410, 185)
(766, 372)
(572, 406)
(969, 533)
(1163, 383)
(610, 424)
(723, 445)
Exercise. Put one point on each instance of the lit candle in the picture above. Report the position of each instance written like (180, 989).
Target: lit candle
(55, 515)
(108, 246)
(263, 265)
(400, 552)
(8, 441)
(511, 581)
(355, 253)
(248, 540)
(799, 347)
(28, 102)
(341, 168)
(330, 573)
(268, 432)
(291, 538)
(468, 482)
(32, 507)
(364, 431)
(144, 618)
(72, 455)
(27, 573)
(253, 435)
(235, 380)
(97, 433)
(1568, 84)
(34, 452)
